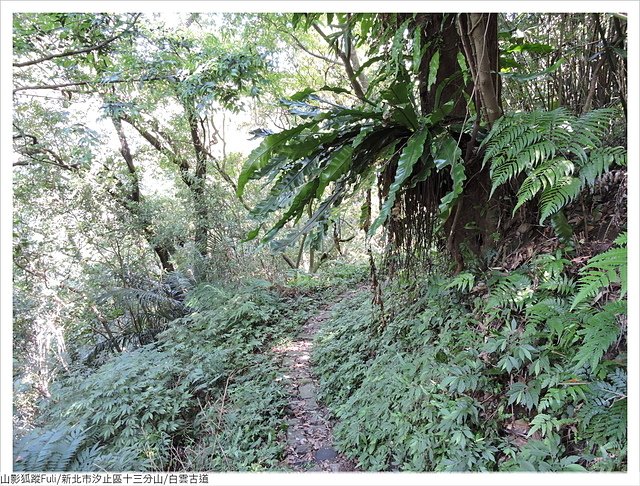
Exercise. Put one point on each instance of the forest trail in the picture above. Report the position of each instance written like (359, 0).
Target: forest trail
(309, 439)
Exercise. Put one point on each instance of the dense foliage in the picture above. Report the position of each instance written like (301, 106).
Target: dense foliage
(203, 396)
(450, 188)
(489, 372)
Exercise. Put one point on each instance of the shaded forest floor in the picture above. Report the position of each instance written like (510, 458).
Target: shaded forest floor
(501, 369)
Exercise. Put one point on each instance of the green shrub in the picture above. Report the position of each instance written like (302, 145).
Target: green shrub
(207, 385)
(440, 384)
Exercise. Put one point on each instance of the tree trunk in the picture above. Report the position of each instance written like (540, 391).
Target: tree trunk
(199, 184)
(442, 29)
(482, 32)
(475, 36)
(135, 199)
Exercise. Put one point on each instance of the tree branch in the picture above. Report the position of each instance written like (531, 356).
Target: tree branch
(311, 53)
(79, 51)
(126, 154)
(84, 83)
(55, 159)
(353, 79)
(159, 146)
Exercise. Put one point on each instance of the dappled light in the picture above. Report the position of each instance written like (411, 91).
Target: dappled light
(321, 242)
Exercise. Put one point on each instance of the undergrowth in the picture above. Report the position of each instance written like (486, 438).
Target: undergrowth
(202, 397)
(502, 371)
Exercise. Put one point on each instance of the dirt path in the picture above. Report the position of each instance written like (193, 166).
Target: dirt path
(309, 441)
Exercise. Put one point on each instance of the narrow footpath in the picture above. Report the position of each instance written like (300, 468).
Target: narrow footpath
(309, 440)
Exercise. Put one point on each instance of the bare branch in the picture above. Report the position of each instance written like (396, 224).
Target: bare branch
(311, 53)
(54, 159)
(353, 79)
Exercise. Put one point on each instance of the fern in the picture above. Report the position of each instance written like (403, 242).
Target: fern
(65, 448)
(602, 271)
(463, 282)
(599, 162)
(544, 310)
(512, 291)
(561, 226)
(559, 398)
(561, 285)
(546, 175)
(600, 333)
(603, 418)
(560, 153)
(559, 195)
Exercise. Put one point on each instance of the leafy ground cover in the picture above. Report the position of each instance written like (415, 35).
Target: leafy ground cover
(502, 371)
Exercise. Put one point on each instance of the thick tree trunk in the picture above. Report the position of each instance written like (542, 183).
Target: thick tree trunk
(440, 29)
(475, 36)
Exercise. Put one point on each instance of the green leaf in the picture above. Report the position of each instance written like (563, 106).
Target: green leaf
(601, 331)
(445, 153)
(260, 156)
(410, 155)
(285, 188)
(620, 52)
(398, 95)
(434, 64)
(531, 47)
(337, 166)
(561, 226)
(304, 94)
(251, 234)
(522, 78)
(558, 196)
(303, 197)
(418, 51)
(317, 218)
(463, 67)
(574, 468)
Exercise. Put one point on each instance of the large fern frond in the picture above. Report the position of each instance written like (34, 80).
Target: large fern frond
(600, 160)
(545, 175)
(560, 153)
(558, 195)
(64, 448)
(603, 417)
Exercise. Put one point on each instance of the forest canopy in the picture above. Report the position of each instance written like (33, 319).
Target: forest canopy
(431, 206)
